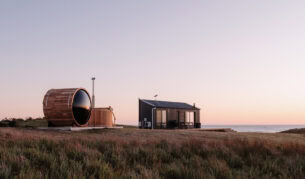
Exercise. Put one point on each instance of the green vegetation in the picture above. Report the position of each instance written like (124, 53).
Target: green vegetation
(132, 153)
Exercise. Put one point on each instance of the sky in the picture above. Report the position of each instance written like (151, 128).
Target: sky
(240, 61)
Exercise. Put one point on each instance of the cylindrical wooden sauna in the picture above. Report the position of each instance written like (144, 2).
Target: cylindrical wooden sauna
(101, 117)
(67, 107)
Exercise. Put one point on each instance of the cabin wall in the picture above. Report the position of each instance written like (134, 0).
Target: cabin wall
(145, 112)
(197, 118)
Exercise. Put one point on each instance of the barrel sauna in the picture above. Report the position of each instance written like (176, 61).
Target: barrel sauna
(67, 107)
(101, 117)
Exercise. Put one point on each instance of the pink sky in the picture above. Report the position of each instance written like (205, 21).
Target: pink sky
(241, 62)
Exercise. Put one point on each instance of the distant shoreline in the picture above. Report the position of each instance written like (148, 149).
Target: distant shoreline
(256, 128)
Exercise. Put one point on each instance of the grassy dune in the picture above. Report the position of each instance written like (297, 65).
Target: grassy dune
(133, 153)
(295, 131)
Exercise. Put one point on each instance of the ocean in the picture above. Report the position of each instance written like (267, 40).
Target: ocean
(255, 128)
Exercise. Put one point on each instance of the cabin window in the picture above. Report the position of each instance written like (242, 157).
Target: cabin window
(161, 118)
(164, 116)
(192, 117)
(189, 117)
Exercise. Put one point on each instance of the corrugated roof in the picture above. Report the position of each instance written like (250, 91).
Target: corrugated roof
(168, 104)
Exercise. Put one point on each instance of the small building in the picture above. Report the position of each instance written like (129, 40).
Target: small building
(168, 115)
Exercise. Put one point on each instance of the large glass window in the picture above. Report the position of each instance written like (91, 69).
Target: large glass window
(163, 117)
(189, 117)
(192, 117)
(159, 117)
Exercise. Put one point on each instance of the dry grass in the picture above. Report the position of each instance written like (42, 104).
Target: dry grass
(133, 153)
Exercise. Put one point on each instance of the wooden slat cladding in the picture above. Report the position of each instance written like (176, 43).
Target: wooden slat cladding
(57, 107)
(101, 117)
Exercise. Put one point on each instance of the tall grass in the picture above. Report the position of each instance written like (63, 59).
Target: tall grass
(29, 156)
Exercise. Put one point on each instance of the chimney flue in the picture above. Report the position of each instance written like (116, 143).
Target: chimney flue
(93, 96)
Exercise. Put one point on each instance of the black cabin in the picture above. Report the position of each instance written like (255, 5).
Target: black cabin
(168, 115)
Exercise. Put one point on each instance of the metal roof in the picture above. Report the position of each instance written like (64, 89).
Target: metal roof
(168, 104)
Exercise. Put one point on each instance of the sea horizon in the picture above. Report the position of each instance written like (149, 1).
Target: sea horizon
(265, 128)
(269, 128)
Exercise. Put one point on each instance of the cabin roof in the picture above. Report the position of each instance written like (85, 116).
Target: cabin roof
(168, 104)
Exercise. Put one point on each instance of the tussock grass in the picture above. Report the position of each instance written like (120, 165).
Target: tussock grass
(148, 154)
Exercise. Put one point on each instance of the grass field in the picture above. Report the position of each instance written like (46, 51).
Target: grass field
(134, 153)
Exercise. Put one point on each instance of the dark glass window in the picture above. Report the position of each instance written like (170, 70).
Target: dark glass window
(81, 107)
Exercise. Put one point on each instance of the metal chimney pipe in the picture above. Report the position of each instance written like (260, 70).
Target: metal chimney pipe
(93, 96)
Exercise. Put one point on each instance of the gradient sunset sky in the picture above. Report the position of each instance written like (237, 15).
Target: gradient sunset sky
(240, 61)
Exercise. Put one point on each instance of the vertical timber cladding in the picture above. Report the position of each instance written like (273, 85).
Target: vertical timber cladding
(173, 118)
(101, 117)
(173, 115)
